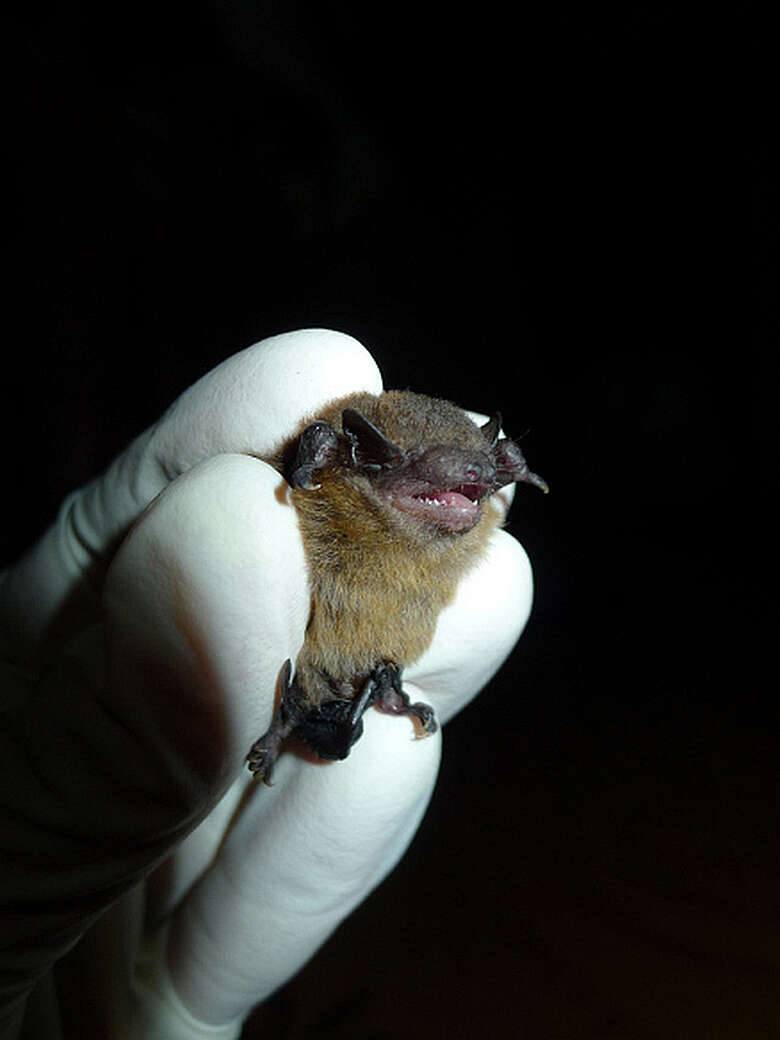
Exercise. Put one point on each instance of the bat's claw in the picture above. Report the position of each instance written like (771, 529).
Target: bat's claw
(392, 699)
(425, 716)
(317, 446)
(261, 761)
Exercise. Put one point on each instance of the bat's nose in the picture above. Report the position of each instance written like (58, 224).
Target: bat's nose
(449, 467)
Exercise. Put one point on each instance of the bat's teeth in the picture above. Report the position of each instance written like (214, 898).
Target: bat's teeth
(473, 492)
(431, 500)
(452, 509)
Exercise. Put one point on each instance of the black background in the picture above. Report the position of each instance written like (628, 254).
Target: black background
(561, 215)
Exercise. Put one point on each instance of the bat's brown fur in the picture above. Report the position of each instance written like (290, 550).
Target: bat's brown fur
(378, 580)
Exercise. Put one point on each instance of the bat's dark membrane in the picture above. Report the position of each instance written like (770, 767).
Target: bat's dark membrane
(393, 498)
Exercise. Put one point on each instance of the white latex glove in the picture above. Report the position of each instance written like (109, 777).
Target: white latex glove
(140, 667)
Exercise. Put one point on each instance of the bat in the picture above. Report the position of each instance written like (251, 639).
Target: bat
(392, 493)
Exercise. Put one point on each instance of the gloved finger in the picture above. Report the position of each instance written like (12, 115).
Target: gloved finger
(257, 397)
(248, 404)
(476, 632)
(298, 859)
(224, 602)
(134, 731)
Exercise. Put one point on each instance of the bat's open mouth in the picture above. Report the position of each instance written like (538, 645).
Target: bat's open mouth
(454, 509)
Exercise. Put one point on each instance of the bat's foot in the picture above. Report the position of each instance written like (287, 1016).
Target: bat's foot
(262, 758)
(391, 699)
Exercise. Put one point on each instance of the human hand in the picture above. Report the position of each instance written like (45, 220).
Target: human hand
(141, 666)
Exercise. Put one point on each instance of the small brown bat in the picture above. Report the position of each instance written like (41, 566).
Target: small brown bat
(393, 494)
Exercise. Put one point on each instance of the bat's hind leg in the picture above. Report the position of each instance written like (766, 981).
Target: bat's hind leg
(391, 699)
(265, 751)
(331, 728)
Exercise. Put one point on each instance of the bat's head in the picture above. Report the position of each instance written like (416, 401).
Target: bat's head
(422, 462)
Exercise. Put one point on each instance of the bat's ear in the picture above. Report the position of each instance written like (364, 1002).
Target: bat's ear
(511, 466)
(317, 446)
(369, 445)
(491, 429)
